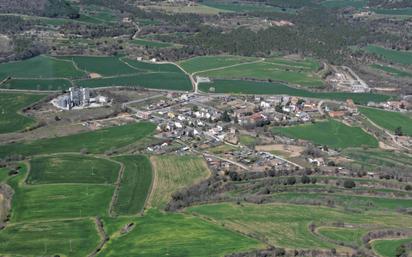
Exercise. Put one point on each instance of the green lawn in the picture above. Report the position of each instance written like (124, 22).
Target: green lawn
(72, 238)
(346, 235)
(40, 67)
(401, 57)
(266, 88)
(48, 202)
(10, 105)
(389, 120)
(203, 63)
(95, 141)
(158, 234)
(286, 225)
(331, 133)
(391, 70)
(387, 248)
(72, 169)
(38, 84)
(276, 71)
(135, 184)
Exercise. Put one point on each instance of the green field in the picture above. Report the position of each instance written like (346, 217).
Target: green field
(172, 173)
(65, 238)
(203, 63)
(345, 3)
(286, 225)
(95, 142)
(164, 80)
(72, 169)
(266, 88)
(391, 70)
(346, 235)
(64, 201)
(402, 11)
(154, 44)
(38, 84)
(10, 105)
(135, 184)
(401, 57)
(387, 248)
(294, 72)
(4, 174)
(389, 120)
(239, 7)
(40, 67)
(158, 234)
(331, 133)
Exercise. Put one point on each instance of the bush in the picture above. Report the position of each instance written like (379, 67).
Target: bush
(305, 179)
(291, 181)
(408, 188)
(349, 184)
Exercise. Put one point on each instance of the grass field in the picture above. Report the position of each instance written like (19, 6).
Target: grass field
(4, 174)
(203, 63)
(37, 84)
(286, 225)
(196, 9)
(389, 120)
(239, 7)
(40, 67)
(48, 202)
(345, 3)
(331, 133)
(72, 169)
(10, 105)
(391, 70)
(95, 142)
(266, 88)
(135, 184)
(401, 11)
(346, 235)
(158, 234)
(153, 44)
(387, 248)
(401, 57)
(294, 72)
(173, 173)
(75, 238)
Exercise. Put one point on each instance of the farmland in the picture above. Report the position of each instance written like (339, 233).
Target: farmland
(300, 72)
(331, 133)
(389, 120)
(239, 7)
(401, 57)
(37, 84)
(392, 71)
(203, 63)
(72, 169)
(387, 248)
(134, 186)
(266, 88)
(147, 43)
(346, 235)
(95, 142)
(10, 106)
(286, 225)
(173, 173)
(68, 238)
(152, 237)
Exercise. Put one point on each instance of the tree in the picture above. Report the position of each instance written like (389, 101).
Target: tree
(408, 188)
(226, 117)
(305, 179)
(349, 184)
(291, 181)
(398, 131)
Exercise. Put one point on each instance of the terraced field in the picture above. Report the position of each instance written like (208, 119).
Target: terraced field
(387, 248)
(392, 71)
(159, 234)
(10, 105)
(203, 63)
(331, 133)
(154, 44)
(286, 225)
(401, 57)
(266, 88)
(389, 120)
(346, 235)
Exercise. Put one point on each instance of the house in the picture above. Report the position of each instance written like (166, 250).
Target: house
(337, 114)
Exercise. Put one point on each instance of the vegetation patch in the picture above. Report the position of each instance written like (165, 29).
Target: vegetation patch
(154, 44)
(331, 133)
(392, 71)
(173, 173)
(342, 234)
(72, 169)
(10, 105)
(266, 88)
(64, 238)
(388, 248)
(203, 63)
(393, 121)
(38, 84)
(401, 57)
(135, 184)
(158, 234)
(95, 142)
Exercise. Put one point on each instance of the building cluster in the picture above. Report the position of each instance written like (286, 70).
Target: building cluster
(400, 106)
(78, 98)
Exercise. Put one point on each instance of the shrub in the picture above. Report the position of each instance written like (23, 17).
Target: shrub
(349, 184)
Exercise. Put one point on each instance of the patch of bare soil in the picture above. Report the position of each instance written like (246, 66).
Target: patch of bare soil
(94, 75)
(384, 146)
(289, 150)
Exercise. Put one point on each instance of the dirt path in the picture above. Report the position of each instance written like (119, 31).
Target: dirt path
(154, 182)
(116, 190)
(103, 236)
